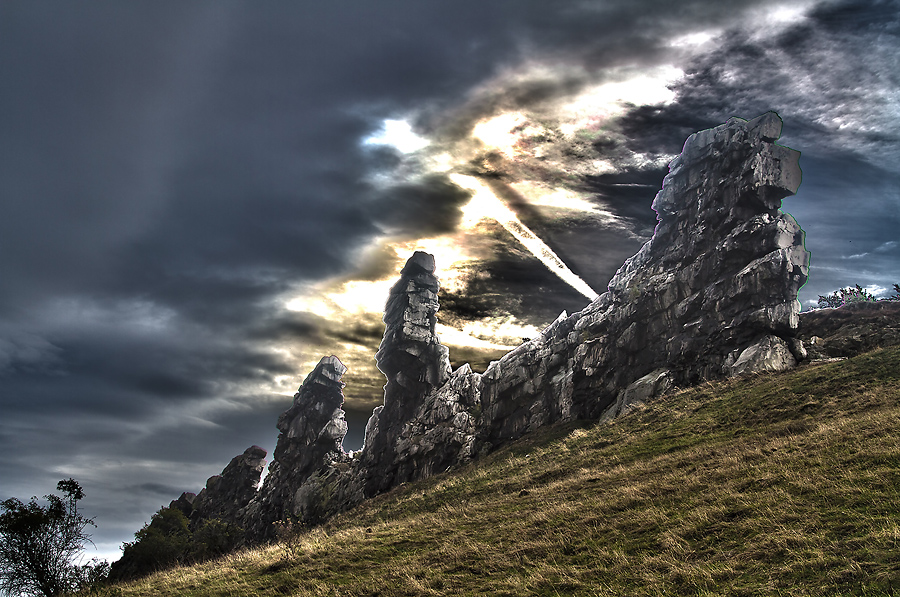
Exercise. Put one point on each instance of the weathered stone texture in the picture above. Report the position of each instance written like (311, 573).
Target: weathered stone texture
(312, 430)
(712, 294)
(415, 364)
(226, 494)
(411, 355)
(185, 503)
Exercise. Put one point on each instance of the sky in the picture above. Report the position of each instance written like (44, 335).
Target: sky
(199, 200)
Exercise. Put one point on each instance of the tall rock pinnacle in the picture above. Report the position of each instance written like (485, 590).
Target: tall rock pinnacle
(411, 358)
(411, 355)
(312, 430)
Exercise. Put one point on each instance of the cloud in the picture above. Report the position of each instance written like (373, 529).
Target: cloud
(424, 208)
(28, 353)
(800, 70)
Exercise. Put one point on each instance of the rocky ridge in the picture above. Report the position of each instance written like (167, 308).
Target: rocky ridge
(851, 329)
(309, 446)
(712, 294)
(227, 494)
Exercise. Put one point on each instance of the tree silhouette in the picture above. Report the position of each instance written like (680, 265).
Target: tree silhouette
(39, 543)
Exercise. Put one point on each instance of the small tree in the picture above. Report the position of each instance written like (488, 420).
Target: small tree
(832, 300)
(38, 544)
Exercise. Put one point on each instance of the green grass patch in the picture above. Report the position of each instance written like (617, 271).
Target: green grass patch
(785, 484)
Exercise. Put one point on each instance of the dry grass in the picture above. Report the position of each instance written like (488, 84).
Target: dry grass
(786, 484)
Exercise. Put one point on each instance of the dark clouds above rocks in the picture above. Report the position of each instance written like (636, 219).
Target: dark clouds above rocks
(172, 173)
(840, 112)
(422, 208)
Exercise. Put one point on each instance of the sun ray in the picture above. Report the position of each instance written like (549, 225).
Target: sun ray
(484, 204)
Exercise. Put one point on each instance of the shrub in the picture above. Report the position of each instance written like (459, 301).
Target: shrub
(290, 532)
(92, 576)
(168, 540)
(161, 543)
(213, 538)
(844, 296)
(896, 296)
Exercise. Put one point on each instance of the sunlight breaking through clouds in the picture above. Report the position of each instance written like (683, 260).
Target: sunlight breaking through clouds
(499, 132)
(398, 134)
(485, 205)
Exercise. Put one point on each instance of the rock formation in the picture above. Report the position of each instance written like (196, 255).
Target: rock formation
(312, 430)
(414, 363)
(712, 294)
(185, 502)
(226, 494)
(851, 329)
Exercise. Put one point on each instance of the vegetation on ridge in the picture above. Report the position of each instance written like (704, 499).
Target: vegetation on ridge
(774, 484)
(851, 294)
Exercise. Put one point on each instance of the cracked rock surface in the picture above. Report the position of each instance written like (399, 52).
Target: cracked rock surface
(712, 294)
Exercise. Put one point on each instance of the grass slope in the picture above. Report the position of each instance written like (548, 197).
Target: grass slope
(784, 484)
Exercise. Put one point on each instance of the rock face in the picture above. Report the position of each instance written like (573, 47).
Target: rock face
(185, 503)
(414, 363)
(411, 355)
(312, 430)
(226, 494)
(712, 294)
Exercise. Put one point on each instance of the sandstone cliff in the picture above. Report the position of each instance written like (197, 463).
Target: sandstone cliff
(712, 294)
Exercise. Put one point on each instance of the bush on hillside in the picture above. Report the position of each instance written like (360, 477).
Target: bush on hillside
(855, 294)
(213, 538)
(161, 543)
(169, 539)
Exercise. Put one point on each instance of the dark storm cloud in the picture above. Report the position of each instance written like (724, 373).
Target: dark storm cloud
(580, 43)
(860, 246)
(424, 208)
(510, 280)
(285, 325)
(206, 139)
(831, 104)
(626, 193)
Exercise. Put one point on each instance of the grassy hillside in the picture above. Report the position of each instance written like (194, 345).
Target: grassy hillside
(780, 484)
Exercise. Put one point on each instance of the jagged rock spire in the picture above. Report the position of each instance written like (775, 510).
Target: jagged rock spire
(315, 419)
(413, 361)
(312, 430)
(225, 494)
(411, 355)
